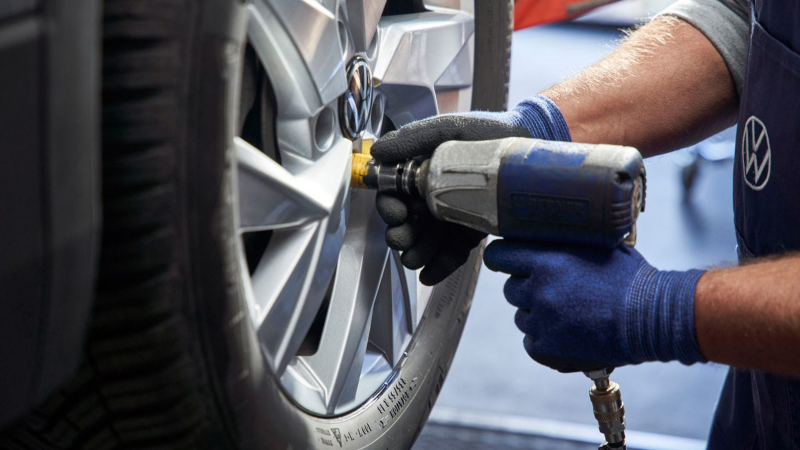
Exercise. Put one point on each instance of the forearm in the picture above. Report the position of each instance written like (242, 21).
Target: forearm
(749, 316)
(664, 88)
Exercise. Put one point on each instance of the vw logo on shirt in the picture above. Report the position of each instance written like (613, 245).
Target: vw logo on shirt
(756, 154)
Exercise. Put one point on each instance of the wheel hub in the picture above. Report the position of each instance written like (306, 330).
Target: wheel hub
(356, 103)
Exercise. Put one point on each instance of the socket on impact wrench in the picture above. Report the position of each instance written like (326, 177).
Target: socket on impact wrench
(608, 409)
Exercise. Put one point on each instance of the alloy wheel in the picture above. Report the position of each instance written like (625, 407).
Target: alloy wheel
(333, 308)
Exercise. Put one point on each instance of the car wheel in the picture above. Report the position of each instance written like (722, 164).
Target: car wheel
(246, 297)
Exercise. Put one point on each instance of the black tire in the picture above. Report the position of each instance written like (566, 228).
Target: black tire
(171, 360)
(494, 24)
(168, 67)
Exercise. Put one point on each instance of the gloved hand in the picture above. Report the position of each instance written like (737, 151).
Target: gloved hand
(441, 247)
(586, 308)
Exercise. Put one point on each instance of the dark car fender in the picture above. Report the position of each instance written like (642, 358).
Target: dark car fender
(49, 193)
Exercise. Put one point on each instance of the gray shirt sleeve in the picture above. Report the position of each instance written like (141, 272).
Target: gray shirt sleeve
(726, 23)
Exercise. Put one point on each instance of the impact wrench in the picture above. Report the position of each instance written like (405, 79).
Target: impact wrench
(534, 190)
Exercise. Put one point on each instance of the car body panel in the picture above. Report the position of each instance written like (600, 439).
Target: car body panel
(49, 194)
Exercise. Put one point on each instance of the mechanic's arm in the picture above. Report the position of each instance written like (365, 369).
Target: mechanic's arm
(664, 88)
(749, 316)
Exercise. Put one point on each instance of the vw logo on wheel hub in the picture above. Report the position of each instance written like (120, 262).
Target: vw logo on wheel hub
(356, 103)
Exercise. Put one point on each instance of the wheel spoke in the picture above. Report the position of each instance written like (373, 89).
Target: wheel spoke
(272, 198)
(419, 53)
(308, 213)
(466, 6)
(423, 297)
(408, 278)
(337, 363)
(362, 18)
(277, 283)
(391, 320)
(307, 36)
(458, 74)
(288, 287)
(297, 42)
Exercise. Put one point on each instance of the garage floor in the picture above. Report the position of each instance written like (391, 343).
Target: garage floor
(492, 380)
(445, 437)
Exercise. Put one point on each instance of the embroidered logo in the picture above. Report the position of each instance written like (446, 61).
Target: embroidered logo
(756, 154)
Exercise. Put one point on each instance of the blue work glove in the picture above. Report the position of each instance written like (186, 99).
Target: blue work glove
(440, 248)
(585, 308)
